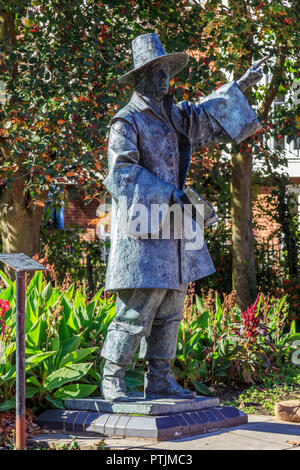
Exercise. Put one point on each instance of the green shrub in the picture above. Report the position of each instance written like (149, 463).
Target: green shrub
(217, 345)
(64, 336)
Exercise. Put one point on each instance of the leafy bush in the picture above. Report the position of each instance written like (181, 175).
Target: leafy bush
(219, 343)
(69, 251)
(63, 341)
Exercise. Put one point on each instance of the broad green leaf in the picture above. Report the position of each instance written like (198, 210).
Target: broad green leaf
(30, 318)
(5, 279)
(95, 375)
(11, 374)
(201, 388)
(8, 350)
(68, 306)
(33, 380)
(31, 391)
(63, 329)
(72, 321)
(69, 344)
(47, 292)
(79, 299)
(220, 373)
(219, 311)
(193, 340)
(37, 358)
(66, 374)
(293, 327)
(258, 306)
(199, 304)
(70, 291)
(75, 391)
(35, 331)
(203, 320)
(290, 338)
(97, 296)
(56, 402)
(7, 405)
(82, 316)
(36, 281)
(224, 366)
(8, 294)
(76, 356)
(133, 382)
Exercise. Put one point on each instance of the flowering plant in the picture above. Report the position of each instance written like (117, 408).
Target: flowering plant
(4, 307)
(251, 320)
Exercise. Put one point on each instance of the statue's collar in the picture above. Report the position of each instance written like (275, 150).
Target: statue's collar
(145, 103)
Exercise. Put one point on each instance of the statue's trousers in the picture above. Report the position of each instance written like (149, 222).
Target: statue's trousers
(149, 317)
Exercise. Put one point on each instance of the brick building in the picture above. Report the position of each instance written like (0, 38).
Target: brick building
(82, 215)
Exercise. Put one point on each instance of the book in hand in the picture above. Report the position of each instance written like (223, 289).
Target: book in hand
(201, 210)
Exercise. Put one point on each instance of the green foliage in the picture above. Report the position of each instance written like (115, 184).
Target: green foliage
(213, 345)
(273, 387)
(73, 445)
(72, 250)
(61, 59)
(64, 334)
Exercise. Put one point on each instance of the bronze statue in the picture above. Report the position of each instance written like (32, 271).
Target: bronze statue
(149, 151)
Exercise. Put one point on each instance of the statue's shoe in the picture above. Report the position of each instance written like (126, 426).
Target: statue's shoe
(171, 390)
(113, 389)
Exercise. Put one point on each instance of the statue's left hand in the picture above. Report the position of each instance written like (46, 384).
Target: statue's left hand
(253, 75)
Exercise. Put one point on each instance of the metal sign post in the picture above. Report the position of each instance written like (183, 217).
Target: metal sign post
(20, 263)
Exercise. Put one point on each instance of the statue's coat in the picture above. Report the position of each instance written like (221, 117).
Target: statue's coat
(149, 155)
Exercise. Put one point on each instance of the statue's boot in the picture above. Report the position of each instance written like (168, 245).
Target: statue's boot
(160, 382)
(159, 349)
(113, 384)
(119, 349)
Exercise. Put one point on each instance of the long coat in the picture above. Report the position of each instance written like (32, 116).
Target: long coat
(149, 155)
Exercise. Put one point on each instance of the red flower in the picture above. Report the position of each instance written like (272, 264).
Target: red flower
(4, 307)
(251, 320)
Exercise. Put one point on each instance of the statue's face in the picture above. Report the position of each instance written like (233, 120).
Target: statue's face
(161, 78)
(154, 80)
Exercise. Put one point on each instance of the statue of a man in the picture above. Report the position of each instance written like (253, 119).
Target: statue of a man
(149, 153)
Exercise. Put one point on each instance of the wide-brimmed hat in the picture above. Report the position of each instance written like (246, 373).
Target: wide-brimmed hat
(147, 49)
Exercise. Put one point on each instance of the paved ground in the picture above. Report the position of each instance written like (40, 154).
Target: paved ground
(261, 433)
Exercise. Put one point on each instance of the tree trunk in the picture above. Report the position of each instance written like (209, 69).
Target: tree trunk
(19, 223)
(243, 263)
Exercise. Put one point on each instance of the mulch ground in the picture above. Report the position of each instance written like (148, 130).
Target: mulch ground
(8, 428)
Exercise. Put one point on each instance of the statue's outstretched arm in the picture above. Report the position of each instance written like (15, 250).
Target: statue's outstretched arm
(253, 75)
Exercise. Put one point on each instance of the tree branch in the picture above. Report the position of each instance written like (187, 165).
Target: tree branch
(274, 85)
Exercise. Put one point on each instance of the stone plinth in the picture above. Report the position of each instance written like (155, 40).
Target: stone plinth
(139, 405)
(156, 419)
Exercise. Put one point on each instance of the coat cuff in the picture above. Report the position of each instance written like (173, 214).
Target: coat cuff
(231, 109)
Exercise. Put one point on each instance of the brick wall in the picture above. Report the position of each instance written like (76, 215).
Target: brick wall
(266, 223)
(80, 214)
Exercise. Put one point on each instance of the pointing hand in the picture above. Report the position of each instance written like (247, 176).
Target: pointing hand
(253, 75)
